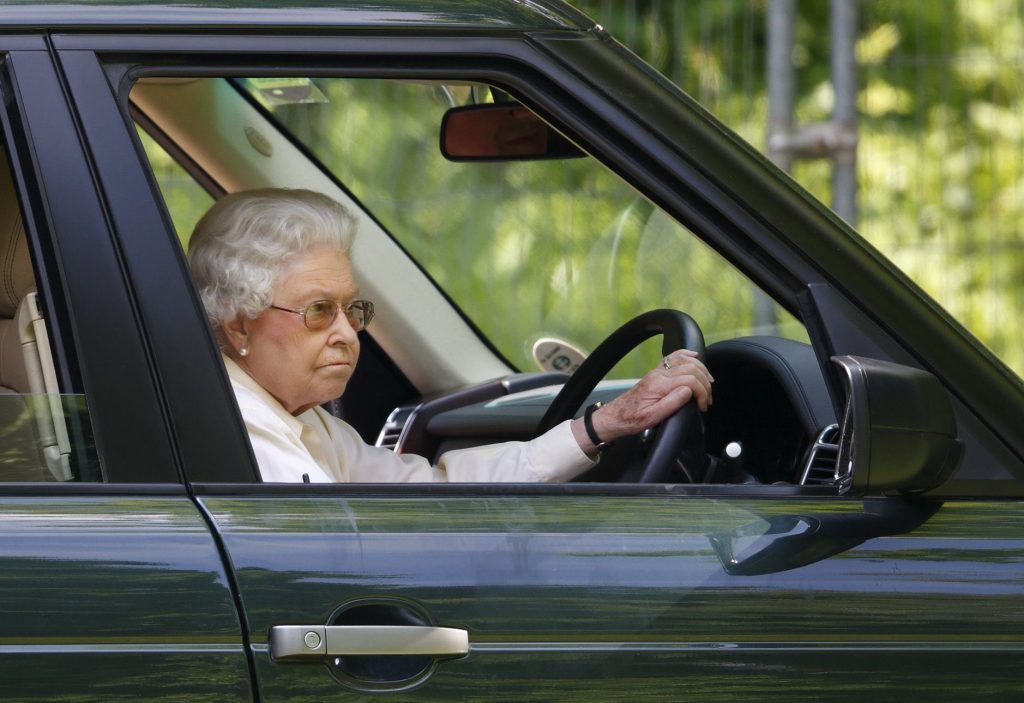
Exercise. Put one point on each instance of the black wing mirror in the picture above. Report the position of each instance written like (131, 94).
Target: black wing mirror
(501, 132)
(898, 433)
(898, 436)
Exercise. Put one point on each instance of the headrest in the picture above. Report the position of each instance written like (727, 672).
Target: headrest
(16, 276)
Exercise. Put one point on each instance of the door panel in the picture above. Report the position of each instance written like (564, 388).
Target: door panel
(595, 596)
(112, 598)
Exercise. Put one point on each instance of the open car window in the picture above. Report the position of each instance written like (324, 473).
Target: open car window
(530, 249)
(497, 262)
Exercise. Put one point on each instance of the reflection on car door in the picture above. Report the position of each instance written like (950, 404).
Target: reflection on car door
(597, 597)
(114, 598)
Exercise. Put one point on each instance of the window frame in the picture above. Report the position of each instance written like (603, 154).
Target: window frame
(755, 245)
(508, 63)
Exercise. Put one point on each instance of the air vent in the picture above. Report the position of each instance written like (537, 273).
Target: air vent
(820, 469)
(393, 426)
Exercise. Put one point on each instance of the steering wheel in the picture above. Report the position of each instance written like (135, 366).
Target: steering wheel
(681, 435)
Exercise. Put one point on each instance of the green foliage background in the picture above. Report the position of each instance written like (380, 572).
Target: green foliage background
(558, 248)
(941, 103)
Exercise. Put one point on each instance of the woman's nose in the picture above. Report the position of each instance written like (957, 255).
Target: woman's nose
(341, 330)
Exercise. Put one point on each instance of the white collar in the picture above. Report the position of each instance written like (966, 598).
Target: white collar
(240, 376)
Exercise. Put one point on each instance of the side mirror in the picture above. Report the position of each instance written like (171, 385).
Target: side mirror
(898, 433)
(501, 132)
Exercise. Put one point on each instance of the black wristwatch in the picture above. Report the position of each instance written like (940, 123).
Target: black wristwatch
(588, 425)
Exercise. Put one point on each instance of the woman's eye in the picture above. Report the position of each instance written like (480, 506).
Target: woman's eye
(318, 310)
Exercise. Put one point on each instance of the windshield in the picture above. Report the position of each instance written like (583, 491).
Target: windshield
(559, 248)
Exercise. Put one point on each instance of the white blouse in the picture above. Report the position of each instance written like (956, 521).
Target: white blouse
(317, 445)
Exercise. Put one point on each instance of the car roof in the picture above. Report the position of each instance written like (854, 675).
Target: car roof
(486, 15)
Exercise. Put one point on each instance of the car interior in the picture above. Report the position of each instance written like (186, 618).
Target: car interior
(32, 412)
(432, 376)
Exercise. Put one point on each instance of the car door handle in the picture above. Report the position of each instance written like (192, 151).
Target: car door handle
(298, 642)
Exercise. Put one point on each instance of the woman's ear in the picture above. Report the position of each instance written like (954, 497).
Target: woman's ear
(235, 333)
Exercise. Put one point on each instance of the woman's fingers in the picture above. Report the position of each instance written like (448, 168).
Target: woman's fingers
(683, 367)
(669, 403)
(680, 378)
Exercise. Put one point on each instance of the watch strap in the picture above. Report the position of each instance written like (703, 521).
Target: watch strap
(588, 425)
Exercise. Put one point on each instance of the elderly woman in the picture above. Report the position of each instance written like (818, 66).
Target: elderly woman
(274, 273)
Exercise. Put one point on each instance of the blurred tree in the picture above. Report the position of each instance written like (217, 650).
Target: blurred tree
(941, 155)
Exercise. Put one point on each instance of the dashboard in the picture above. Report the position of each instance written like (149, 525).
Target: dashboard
(771, 409)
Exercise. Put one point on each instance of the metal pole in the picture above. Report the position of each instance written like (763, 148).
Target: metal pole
(844, 116)
(781, 81)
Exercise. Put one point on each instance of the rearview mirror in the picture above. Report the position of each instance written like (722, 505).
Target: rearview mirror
(501, 132)
(898, 433)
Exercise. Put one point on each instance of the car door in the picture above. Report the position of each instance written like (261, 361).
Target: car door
(578, 591)
(112, 585)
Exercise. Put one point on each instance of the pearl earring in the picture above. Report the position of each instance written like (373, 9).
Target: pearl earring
(244, 351)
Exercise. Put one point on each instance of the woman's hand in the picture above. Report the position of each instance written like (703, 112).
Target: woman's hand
(679, 378)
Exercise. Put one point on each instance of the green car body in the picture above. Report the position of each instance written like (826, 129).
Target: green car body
(164, 580)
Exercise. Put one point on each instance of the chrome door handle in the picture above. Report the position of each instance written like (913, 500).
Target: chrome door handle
(298, 642)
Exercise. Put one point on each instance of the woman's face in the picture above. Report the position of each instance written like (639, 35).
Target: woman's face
(300, 367)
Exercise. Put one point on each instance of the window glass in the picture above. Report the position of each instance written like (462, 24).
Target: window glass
(186, 200)
(558, 248)
(44, 435)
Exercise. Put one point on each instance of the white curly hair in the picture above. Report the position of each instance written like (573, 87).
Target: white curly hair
(244, 240)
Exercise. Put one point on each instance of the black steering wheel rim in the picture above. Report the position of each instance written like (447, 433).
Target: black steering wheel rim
(682, 431)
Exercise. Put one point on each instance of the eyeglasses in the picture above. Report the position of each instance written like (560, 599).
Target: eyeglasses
(320, 314)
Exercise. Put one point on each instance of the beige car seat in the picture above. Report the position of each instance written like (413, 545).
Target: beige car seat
(34, 442)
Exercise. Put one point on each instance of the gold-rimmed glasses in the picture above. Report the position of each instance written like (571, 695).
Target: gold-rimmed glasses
(321, 313)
